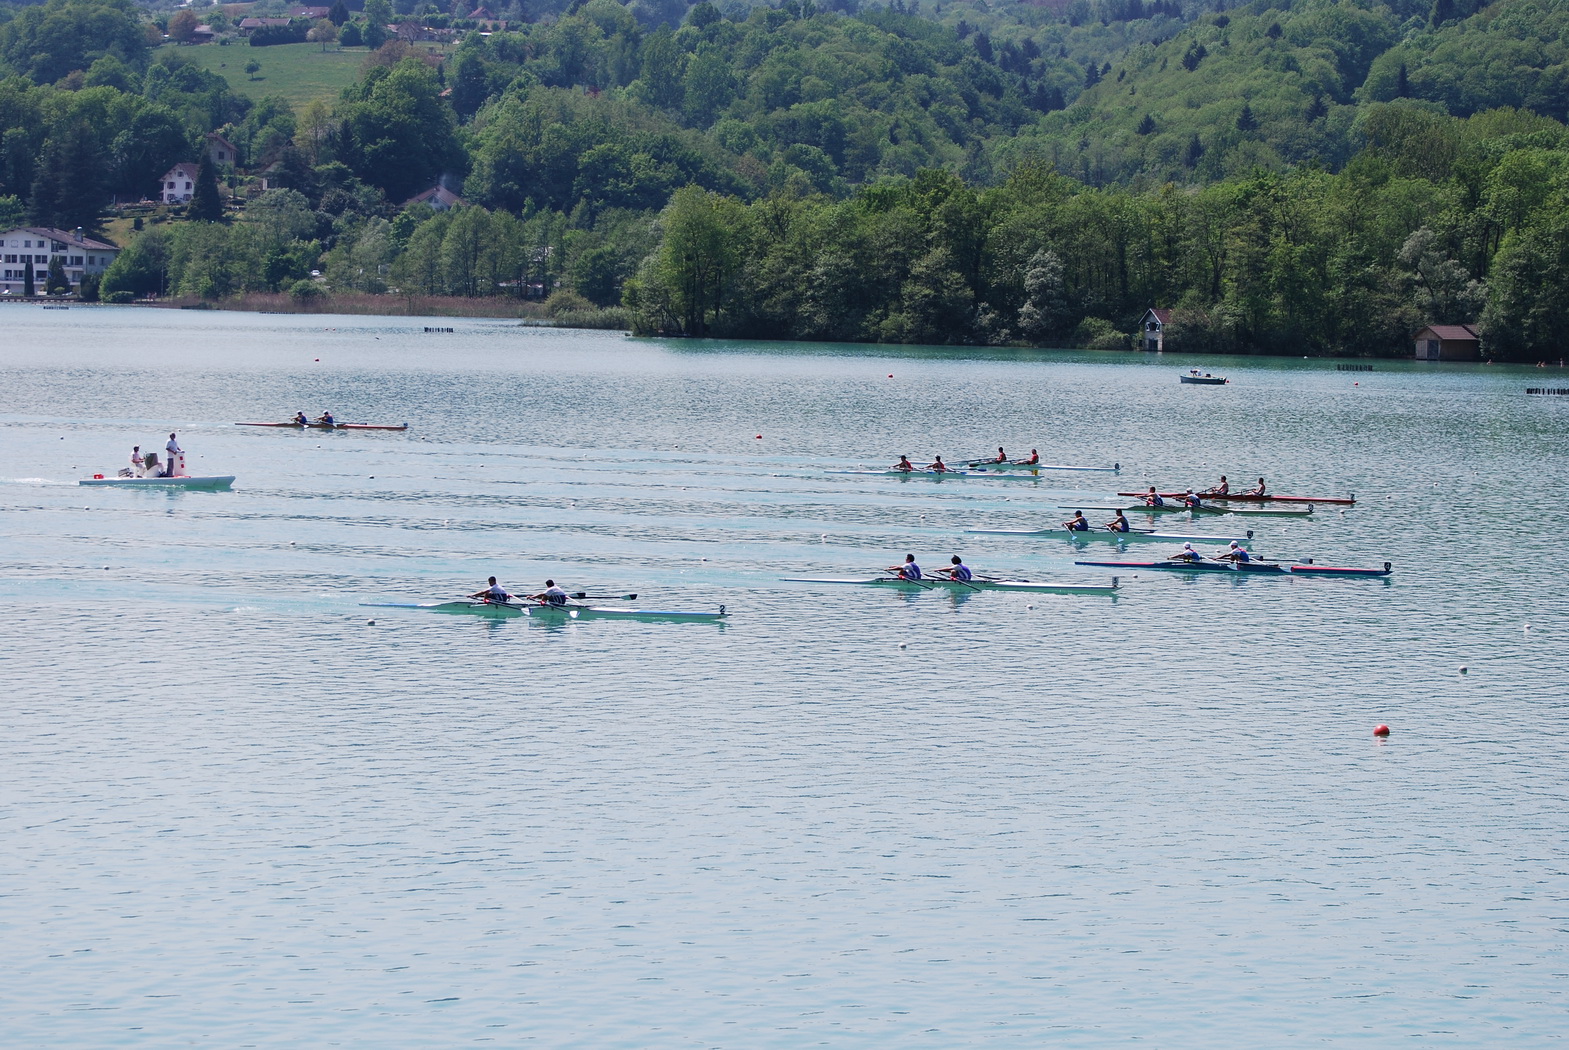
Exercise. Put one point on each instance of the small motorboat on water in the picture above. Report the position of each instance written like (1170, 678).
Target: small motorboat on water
(213, 481)
(1203, 379)
(150, 473)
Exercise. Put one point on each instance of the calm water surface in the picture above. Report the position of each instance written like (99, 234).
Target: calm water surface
(239, 813)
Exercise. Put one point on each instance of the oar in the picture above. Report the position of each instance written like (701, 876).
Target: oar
(962, 583)
(922, 584)
(603, 597)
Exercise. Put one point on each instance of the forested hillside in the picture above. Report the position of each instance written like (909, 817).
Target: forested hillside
(1309, 177)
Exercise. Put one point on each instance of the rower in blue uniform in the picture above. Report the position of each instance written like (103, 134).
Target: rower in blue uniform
(958, 570)
(326, 417)
(1119, 523)
(908, 571)
(494, 593)
(300, 420)
(1191, 500)
(1153, 498)
(1077, 523)
(551, 595)
(1187, 553)
(1235, 554)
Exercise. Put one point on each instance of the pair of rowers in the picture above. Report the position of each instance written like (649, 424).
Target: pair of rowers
(956, 570)
(937, 466)
(497, 594)
(1079, 523)
(1235, 553)
(1032, 460)
(1224, 489)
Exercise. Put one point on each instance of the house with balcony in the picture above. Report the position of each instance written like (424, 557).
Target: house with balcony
(1153, 336)
(36, 247)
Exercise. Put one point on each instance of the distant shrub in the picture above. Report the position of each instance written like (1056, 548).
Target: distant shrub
(1097, 333)
(120, 298)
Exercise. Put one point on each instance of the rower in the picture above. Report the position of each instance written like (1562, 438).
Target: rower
(1186, 554)
(904, 464)
(300, 420)
(494, 593)
(1033, 460)
(1119, 523)
(1219, 490)
(326, 418)
(1153, 498)
(176, 462)
(908, 571)
(1077, 523)
(1190, 500)
(1235, 554)
(958, 570)
(1002, 457)
(1257, 490)
(937, 465)
(551, 595)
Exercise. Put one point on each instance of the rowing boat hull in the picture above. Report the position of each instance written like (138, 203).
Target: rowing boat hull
(1133, 535)
(215, 483)
(1027, 586)
(550, 612)
(1264, 569)
(1205, 380)
(328, 426)
(992, 467)
(1237, 497)
(1210, 509)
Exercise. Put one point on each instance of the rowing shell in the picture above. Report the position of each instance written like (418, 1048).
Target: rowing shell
(945, 475)
(558, 612)
(329, 426)
(1107, 534)
(929, 582)
(1265, 568)
(1283, 511)
(1240, 497)
(215, 483)
(991, 466)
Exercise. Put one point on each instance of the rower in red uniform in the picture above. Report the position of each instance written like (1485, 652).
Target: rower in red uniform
(1002, 457)
(938, 466)
(1033, 461)
(904, 464)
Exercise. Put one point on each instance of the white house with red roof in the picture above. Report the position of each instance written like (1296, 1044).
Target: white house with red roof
(37, 246)
(1154, 325)
(439, 198)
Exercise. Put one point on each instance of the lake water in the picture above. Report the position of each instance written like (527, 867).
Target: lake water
(239, 813)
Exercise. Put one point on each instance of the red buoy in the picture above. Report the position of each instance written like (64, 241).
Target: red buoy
(890, 375)
(759, 437)
(1380, 730)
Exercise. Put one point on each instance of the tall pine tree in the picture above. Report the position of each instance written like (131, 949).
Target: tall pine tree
(205, 203)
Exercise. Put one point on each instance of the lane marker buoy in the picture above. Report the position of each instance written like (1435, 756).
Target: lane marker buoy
(1381, 730)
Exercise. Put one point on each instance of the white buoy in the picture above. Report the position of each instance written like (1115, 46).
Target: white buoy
(902, 645)
(1030, 606)
(370, 623)
(1463, 669)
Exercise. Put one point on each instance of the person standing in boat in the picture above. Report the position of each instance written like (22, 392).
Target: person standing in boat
(493, 593)
(551, 595)
(137, 465)
(1257, 490)
(1077, 523)
(958, 570)
(904, 465)
(908, 571)
(1119, 523)
(938, 466)
(176, 462)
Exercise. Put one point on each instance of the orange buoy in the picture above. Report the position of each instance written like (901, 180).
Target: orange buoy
(1381, 730)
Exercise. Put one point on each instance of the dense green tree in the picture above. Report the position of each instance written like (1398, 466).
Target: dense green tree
(402, 132)
(48, 41)
(206, 205)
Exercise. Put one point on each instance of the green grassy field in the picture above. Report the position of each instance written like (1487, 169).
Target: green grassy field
(297, 72)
